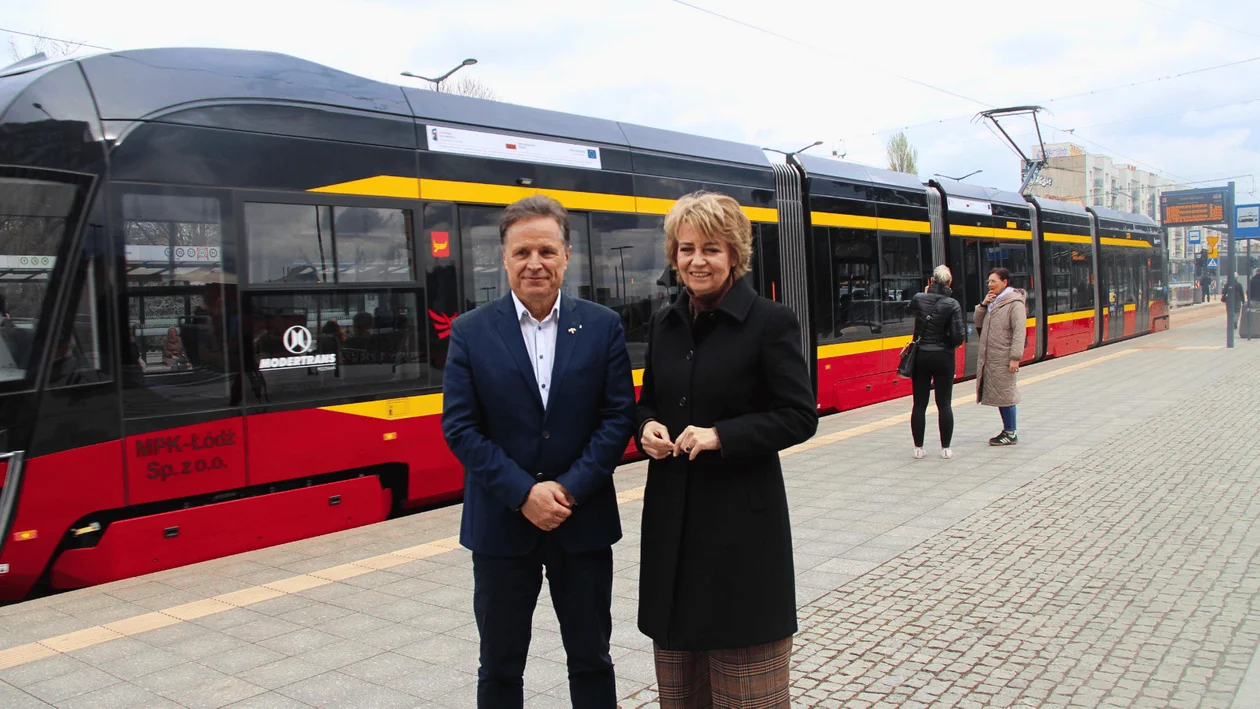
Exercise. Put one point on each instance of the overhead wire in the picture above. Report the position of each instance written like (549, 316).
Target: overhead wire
(816, 48)
(55, 39)
(1092, 92)
(1204, 20)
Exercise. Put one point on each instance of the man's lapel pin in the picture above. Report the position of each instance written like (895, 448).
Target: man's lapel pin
(573, 331)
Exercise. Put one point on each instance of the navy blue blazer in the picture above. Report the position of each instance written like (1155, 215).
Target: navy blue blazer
(494, 422)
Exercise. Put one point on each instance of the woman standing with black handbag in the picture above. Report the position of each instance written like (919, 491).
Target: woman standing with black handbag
(938, 330)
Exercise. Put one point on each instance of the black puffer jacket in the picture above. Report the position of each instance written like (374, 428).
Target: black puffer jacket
(938, 320)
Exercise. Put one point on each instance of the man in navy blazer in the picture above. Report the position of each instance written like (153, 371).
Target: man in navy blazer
(539, 408)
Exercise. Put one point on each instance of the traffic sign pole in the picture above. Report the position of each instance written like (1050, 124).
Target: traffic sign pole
(1231, 264)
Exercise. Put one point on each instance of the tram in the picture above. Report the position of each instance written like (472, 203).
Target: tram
(228, 280)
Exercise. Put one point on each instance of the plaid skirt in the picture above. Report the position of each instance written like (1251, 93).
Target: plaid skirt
(743, 678)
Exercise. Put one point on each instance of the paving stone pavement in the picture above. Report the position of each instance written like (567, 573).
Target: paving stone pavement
(1111, 551)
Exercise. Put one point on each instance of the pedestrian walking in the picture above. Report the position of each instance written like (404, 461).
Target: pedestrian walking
(1205, 283)
(726, 387)
(939, 330)
(1001, 322)
(1233, 297)
(539, 406)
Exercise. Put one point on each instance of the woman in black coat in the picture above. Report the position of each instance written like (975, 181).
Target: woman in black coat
(939, 330)
(726, 388)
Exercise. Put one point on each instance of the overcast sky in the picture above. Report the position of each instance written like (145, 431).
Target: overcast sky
(786, 73)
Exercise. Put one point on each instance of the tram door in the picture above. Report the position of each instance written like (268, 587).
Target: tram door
(1144, 275)
(1114, 291)
(970, 292)
(980, 257)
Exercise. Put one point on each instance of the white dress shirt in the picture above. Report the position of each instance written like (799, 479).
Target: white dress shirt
(540, 342)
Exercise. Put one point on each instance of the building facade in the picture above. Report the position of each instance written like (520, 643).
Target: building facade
(1073, 174)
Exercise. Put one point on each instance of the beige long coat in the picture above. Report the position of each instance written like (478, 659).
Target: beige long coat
(1002, 332)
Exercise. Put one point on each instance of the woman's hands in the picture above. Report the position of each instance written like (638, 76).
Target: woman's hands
(655, 439)
(694, 439)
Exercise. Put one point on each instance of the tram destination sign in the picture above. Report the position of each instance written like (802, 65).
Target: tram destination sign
(1193, 207)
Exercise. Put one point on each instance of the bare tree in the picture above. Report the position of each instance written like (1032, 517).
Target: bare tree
(902, 157)
(468, 86)
(51, 48)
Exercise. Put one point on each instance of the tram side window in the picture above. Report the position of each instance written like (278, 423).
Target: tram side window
(373, 245)
(35, 217)
(1059, 283)
(347, 343)
(484, 278)
(81, 351)
(1071, 286)
(301, 243)
(1155, 272)
(181, 323)
(855, 282)
(1015, 257)
(632, 275)
(902, 278)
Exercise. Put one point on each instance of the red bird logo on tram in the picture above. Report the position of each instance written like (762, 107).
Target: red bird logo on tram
(442, 323)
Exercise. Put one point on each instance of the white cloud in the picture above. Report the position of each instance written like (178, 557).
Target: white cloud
(660, 63)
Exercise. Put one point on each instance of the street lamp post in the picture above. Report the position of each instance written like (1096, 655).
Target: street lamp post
(437, 83)
(621, 251)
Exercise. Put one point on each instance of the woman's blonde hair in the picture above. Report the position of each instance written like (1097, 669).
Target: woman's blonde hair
(717, 217)
(941, 274)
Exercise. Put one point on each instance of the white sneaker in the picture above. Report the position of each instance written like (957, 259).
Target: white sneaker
(947, 453)
(919, 453)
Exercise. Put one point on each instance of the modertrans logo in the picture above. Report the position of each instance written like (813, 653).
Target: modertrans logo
(299, 341)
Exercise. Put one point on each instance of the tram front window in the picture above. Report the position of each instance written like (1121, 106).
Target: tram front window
(35, 216)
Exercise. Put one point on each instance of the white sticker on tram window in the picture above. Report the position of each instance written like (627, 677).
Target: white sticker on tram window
(183, 254)
(28, 263)
(510, 147)
(971, 206)
(297, 361)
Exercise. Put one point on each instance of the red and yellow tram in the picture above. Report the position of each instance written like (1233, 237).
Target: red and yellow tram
(228, 279)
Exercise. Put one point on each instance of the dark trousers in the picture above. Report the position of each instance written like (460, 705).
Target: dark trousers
(505, 592)
(933, 370)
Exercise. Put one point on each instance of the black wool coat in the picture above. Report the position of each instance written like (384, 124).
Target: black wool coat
(716, 566)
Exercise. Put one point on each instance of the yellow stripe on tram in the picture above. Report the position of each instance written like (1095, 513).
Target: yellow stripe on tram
(844, 349)
(858, 221)
(989, 232)
(412, 406)
(393, 409)
(1131, 243)
(1068, 317)
(480, 193)
(1067, 238)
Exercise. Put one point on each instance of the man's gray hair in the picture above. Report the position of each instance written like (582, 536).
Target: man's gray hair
(942, 275)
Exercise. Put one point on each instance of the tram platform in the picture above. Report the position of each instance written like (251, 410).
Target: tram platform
(1111, 557)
